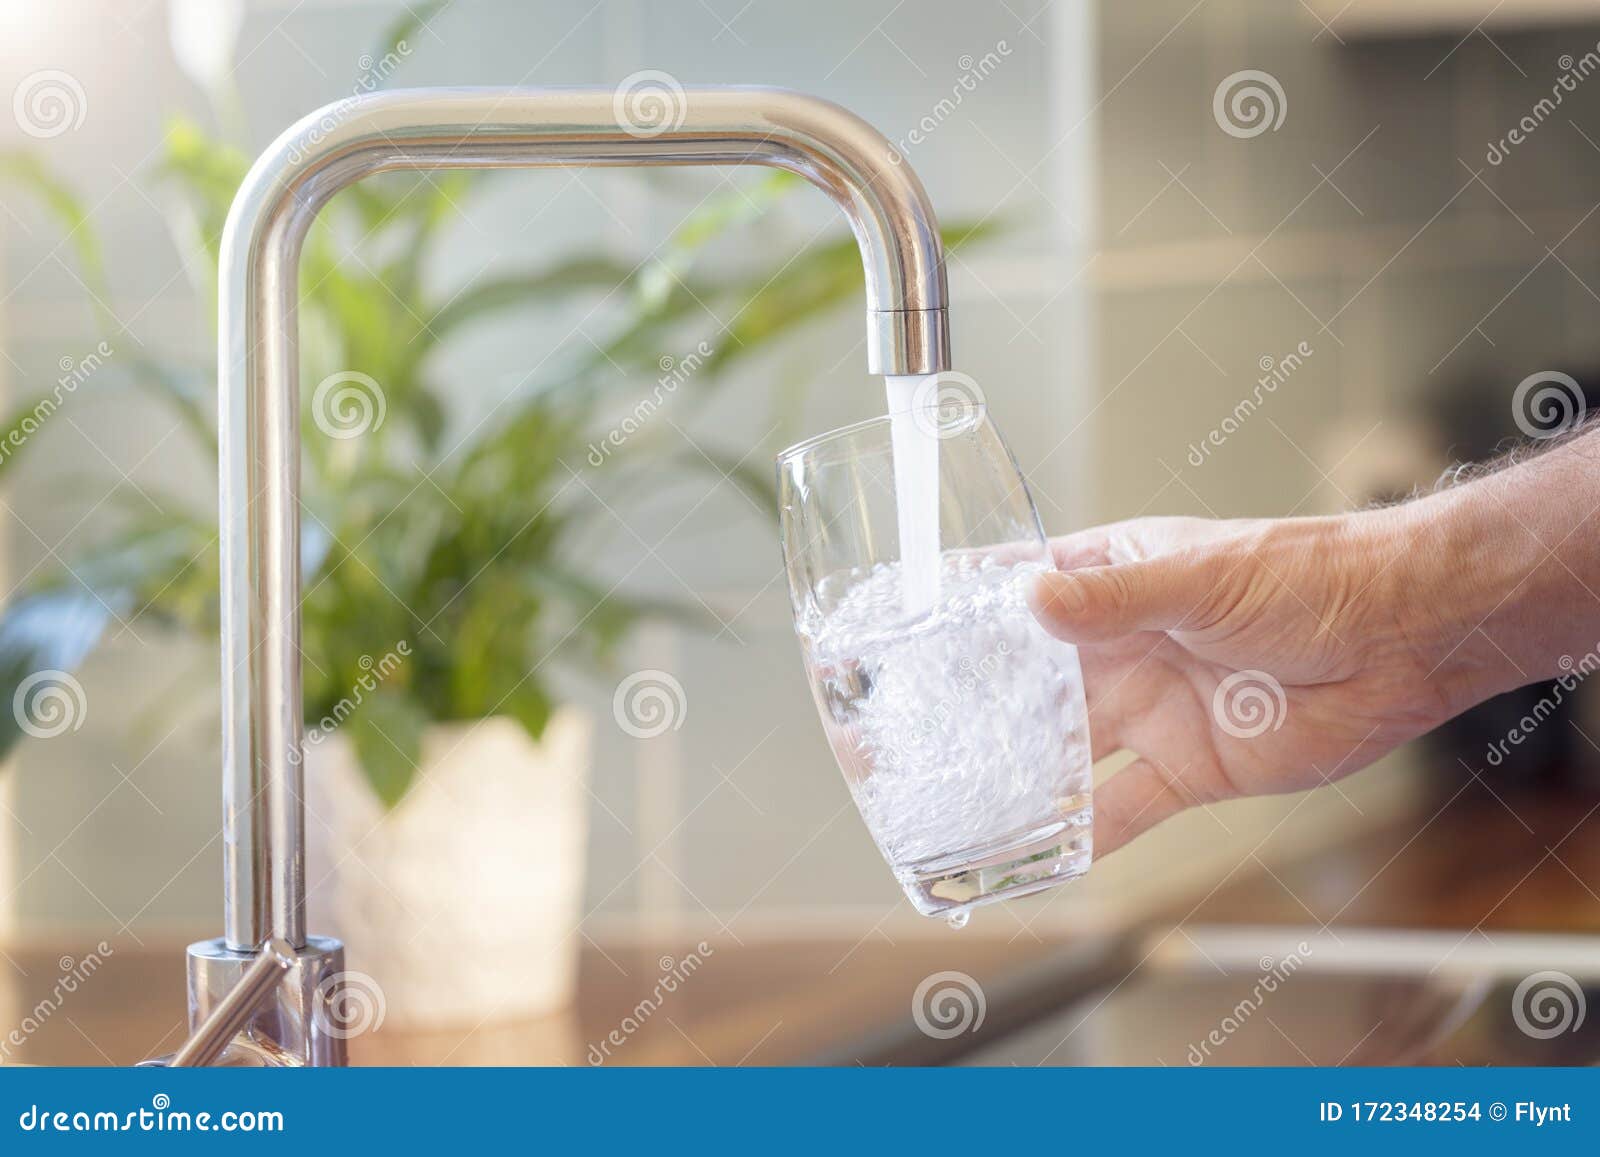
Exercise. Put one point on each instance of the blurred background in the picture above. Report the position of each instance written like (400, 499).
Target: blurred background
(1217, 258)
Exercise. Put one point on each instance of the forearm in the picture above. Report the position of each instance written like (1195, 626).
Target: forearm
(1502, 575)
(1354, 633)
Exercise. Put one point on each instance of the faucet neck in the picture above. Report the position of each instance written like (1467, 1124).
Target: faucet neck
(258, 363)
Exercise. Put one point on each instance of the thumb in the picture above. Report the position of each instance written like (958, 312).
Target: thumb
(1099, 603)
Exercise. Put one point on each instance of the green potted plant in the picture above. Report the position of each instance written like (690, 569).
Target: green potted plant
(447, 570)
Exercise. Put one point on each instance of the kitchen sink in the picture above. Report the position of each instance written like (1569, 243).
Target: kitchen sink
(1230, 995)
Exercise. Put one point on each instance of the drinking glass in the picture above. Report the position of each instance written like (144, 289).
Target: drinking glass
(960, 727)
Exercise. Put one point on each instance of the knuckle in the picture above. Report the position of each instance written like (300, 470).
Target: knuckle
(1116, 587)
(1223, 576)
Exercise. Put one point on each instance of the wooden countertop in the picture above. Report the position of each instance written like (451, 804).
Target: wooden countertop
(1480, 858)
(758, 1004)
(1478, 861)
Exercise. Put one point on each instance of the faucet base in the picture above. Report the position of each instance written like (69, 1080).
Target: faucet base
(306, 1023)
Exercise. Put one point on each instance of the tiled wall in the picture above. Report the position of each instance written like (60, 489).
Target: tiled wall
(1368, 224)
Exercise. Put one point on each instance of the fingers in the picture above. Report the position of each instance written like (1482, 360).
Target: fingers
(1122, 682)
(1133, 801)
(1118, 588)
(1099, 603)
(1086, 548)
(1134, 539)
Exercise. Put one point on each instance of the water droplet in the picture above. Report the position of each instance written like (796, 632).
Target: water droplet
(958, 920)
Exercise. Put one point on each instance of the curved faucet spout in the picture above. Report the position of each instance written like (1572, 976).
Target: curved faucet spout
(258, 366)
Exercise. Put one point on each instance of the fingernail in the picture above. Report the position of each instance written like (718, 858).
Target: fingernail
(1062, 593)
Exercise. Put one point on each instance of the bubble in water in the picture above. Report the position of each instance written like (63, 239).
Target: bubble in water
(958, 920)
(958, 730)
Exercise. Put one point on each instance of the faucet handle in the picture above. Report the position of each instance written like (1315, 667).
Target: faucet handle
(276, 1005)
(234, 1011)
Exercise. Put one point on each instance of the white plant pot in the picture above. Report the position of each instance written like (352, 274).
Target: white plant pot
(9, 826)
(462, 902)
(9, 840)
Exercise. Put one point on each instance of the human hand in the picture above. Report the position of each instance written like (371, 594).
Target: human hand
(1253, 656)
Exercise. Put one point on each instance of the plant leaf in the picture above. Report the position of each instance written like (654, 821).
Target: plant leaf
(386, 732)
(713, 218)
(15, 436)
(494, 293)
(63, 204)
(170, 386)
(208, 173)
(49, 631)
(530, 706)
(395, 40)
(751, 473)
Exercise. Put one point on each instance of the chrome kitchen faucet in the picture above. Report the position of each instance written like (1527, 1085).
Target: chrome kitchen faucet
(287, 1010)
